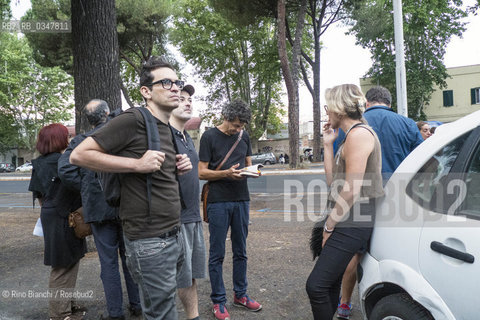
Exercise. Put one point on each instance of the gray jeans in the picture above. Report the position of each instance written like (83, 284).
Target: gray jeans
(154, 264)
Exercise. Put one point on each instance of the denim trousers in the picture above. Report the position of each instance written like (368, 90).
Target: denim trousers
(223, 215)
(324, 282)
(154, 264)
(108, 238)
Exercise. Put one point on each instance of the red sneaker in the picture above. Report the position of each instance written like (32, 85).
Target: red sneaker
(220, 312)
(248, 303)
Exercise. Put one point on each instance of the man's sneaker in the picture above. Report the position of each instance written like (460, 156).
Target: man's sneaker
(344, 311)
(135, 312)
(220, 311)
(248, 303)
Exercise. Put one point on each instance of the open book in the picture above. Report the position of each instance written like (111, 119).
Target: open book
(252, 171)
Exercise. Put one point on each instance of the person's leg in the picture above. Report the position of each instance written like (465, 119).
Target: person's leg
(106, 240)
(153, 264)
(132, 287)
(189, 299)
(323, 284)
(186, 285)
(218, 223)
(61, 279)
(238, 236)
(349, 279)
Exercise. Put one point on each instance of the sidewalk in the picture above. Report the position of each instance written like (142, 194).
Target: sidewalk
(270, 170)
(279, 263)
(278, 266)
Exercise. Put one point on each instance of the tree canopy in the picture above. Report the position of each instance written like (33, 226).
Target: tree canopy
(428, 27)
(234, 62)
(141, 28)
(31, 96)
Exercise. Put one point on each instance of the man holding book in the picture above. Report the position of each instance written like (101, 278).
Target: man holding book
(224, 151)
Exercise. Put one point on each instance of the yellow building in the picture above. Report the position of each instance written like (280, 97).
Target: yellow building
(459, 98)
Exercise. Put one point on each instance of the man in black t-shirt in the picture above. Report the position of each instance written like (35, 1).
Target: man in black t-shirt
(153, 243)
(194, 266)
(228, 203)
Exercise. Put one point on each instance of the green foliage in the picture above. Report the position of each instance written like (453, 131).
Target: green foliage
(233, 62)
(428, 27)
(31, 96)
(245, 12)
(51, 49)
(142, 32)
(5, 12)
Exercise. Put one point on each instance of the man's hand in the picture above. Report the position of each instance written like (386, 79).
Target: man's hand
(233, 173)
(150, 162)
(183, 164)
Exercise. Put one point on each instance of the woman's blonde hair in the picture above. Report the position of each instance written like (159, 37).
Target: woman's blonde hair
(346, 100)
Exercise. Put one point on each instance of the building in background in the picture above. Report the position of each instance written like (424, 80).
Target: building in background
(459, 98)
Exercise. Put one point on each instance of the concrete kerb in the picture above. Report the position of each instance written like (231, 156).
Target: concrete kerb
(265, 172)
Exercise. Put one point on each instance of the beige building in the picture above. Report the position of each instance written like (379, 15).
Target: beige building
(459, 98)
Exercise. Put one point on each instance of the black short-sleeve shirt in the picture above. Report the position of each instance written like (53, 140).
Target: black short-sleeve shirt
(214, 145)
(125, 135)
(189, 183)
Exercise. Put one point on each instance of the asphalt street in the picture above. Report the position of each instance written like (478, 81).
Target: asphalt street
(283, 207)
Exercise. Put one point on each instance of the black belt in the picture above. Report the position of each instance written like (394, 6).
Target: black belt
(170, 233)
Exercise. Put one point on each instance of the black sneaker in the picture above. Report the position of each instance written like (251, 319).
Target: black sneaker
(135, 312)
(102, 317)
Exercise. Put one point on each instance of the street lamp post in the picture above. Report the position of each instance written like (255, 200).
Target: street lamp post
(401, 81)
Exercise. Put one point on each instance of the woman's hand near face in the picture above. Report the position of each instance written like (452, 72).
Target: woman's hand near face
(329, 135)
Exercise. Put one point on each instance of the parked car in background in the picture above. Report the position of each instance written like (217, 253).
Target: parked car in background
(424, 256)
(264, 158)
(27, 167)
(6, 167)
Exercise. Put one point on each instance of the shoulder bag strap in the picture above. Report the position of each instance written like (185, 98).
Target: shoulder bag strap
(230, 151)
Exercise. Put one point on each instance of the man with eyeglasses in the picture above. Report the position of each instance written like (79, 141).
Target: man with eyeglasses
(153, 241)
(194, 266)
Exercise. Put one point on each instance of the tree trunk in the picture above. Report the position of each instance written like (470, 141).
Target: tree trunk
(317, 116)
(290, 76)
(96, 69)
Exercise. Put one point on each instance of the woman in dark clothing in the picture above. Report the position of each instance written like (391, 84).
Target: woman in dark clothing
(354, 174)
(63, 250)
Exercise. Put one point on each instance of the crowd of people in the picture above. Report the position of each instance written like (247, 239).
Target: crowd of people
(156, 232)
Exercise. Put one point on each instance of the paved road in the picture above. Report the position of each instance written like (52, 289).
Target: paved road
(282, 212)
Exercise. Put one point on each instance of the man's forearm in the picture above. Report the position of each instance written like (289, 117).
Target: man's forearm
(212, 175)
(98, 161)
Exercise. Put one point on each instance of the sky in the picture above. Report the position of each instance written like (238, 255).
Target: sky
(341, 60)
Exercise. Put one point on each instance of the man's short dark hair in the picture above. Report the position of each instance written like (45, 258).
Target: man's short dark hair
(237, 109)
(98, 113)
(379, 94)
(146, 77)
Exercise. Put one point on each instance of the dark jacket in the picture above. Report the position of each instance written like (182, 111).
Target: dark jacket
(62, 247)
(95, 209)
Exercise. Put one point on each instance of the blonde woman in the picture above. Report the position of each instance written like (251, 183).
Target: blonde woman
(354, 173)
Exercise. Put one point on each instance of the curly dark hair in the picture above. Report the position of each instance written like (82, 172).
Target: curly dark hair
(153, 63)
(237, 109)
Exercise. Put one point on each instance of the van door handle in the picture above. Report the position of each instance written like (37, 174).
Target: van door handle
(454, 253)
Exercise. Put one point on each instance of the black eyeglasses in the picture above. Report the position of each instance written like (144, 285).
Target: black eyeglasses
(168, 84)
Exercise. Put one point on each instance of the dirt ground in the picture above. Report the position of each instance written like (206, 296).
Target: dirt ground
(278, 266)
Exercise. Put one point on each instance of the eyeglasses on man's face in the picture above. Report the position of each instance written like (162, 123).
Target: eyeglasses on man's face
(167, 84)
(326, 108)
